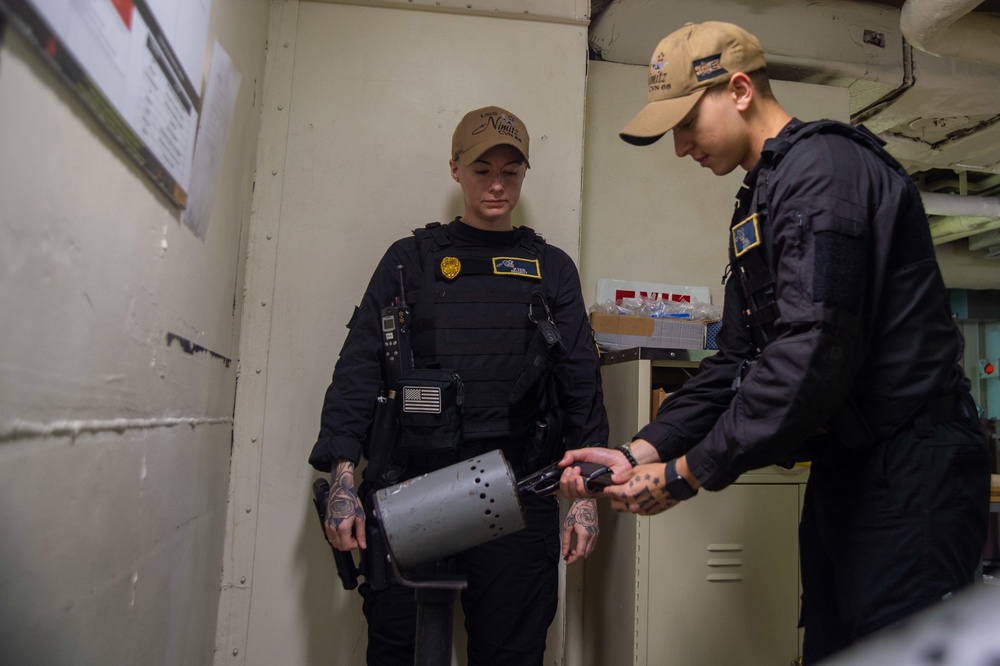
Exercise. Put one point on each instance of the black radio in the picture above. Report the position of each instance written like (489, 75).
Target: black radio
(396, 336)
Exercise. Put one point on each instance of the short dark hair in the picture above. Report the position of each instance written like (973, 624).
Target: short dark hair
(761, 83)
(759, 79)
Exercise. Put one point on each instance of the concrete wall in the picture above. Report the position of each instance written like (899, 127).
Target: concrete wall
(114, 442)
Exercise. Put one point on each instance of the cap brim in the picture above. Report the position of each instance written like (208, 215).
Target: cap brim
(474, 153)
(658, 118)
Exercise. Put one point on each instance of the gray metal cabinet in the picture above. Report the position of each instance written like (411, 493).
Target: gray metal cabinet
(713, 581)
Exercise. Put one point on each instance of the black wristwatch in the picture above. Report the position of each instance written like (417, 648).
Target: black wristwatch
(677, 485)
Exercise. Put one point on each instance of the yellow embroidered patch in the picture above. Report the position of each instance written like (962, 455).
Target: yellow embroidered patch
(517, 266)
(746, 235)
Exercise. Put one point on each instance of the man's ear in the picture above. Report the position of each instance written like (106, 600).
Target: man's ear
(741, 89)
(453, 165)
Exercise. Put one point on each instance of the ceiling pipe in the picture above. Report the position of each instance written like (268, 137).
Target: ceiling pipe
(948, 229)
(953, 216)
(946, 28)
(955, 205)
(986, 241)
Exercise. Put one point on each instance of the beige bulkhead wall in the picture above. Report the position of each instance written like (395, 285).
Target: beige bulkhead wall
(114, 442)
(360, 104)
(115, 446)
(354, 155)
(648, 215)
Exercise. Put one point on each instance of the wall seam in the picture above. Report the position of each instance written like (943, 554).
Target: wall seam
(236, 587)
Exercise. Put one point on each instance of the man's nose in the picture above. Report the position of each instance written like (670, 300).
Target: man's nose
(681, 145)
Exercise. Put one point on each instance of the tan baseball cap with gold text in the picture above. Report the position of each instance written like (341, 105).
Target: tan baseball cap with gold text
(482, 129)
(685, 64)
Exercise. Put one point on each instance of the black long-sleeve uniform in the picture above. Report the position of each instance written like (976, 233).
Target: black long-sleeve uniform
(350, 398)
(512, 589)
(893, 519)
(864, 314)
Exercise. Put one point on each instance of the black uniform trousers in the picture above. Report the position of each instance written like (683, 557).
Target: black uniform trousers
(888, 531)
(510, 601)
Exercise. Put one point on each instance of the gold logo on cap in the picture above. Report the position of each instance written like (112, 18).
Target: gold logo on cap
(450, 267)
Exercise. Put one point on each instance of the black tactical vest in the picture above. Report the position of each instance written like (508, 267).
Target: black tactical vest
(476, 316)
(750, 238)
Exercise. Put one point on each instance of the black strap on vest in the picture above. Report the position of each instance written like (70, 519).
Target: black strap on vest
(434, 237)
(752, 265)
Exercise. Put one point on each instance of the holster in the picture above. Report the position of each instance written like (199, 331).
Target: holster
(374, 558)
(546, 443)
(535, 386)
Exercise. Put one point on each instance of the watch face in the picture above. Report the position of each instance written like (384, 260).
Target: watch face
(677, 486)
(679, 489)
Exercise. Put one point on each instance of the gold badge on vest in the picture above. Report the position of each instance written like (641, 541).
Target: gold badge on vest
(451, 267)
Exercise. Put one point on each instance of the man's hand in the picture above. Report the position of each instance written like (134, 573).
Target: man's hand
(345, 517)
(581, 520)
(571, 484)
(642, 491)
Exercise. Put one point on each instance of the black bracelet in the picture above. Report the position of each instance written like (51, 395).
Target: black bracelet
(627, 452)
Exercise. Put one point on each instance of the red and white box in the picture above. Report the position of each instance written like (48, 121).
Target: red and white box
(618, 290)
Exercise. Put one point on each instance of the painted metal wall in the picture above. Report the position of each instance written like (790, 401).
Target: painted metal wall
(115, 444)
(360, 104)
(648, 215)
(114, 440)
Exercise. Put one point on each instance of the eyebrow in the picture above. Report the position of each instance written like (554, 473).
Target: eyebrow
(503, 166)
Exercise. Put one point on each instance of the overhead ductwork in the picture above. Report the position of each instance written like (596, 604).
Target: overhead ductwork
(946, 28)
(937, 104)
(954, 216)
(925, 78)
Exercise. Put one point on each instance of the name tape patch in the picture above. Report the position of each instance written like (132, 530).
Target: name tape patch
(517, 267)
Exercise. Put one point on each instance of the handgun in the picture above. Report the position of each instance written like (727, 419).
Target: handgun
(546, 480)
(347, 570)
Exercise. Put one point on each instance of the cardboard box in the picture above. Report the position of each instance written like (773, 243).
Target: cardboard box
(615, 332)
(659, 395)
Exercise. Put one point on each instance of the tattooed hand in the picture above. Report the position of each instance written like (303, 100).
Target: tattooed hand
(581, 521)
(345, 517)
(643, 493)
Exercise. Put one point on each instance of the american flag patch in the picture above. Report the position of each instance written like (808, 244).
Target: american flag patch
(422, 399)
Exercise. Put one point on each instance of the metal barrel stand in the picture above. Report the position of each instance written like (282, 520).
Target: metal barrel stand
(435, 605)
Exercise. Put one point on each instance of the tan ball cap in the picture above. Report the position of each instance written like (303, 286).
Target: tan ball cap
(485, 128)
(685, 64)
